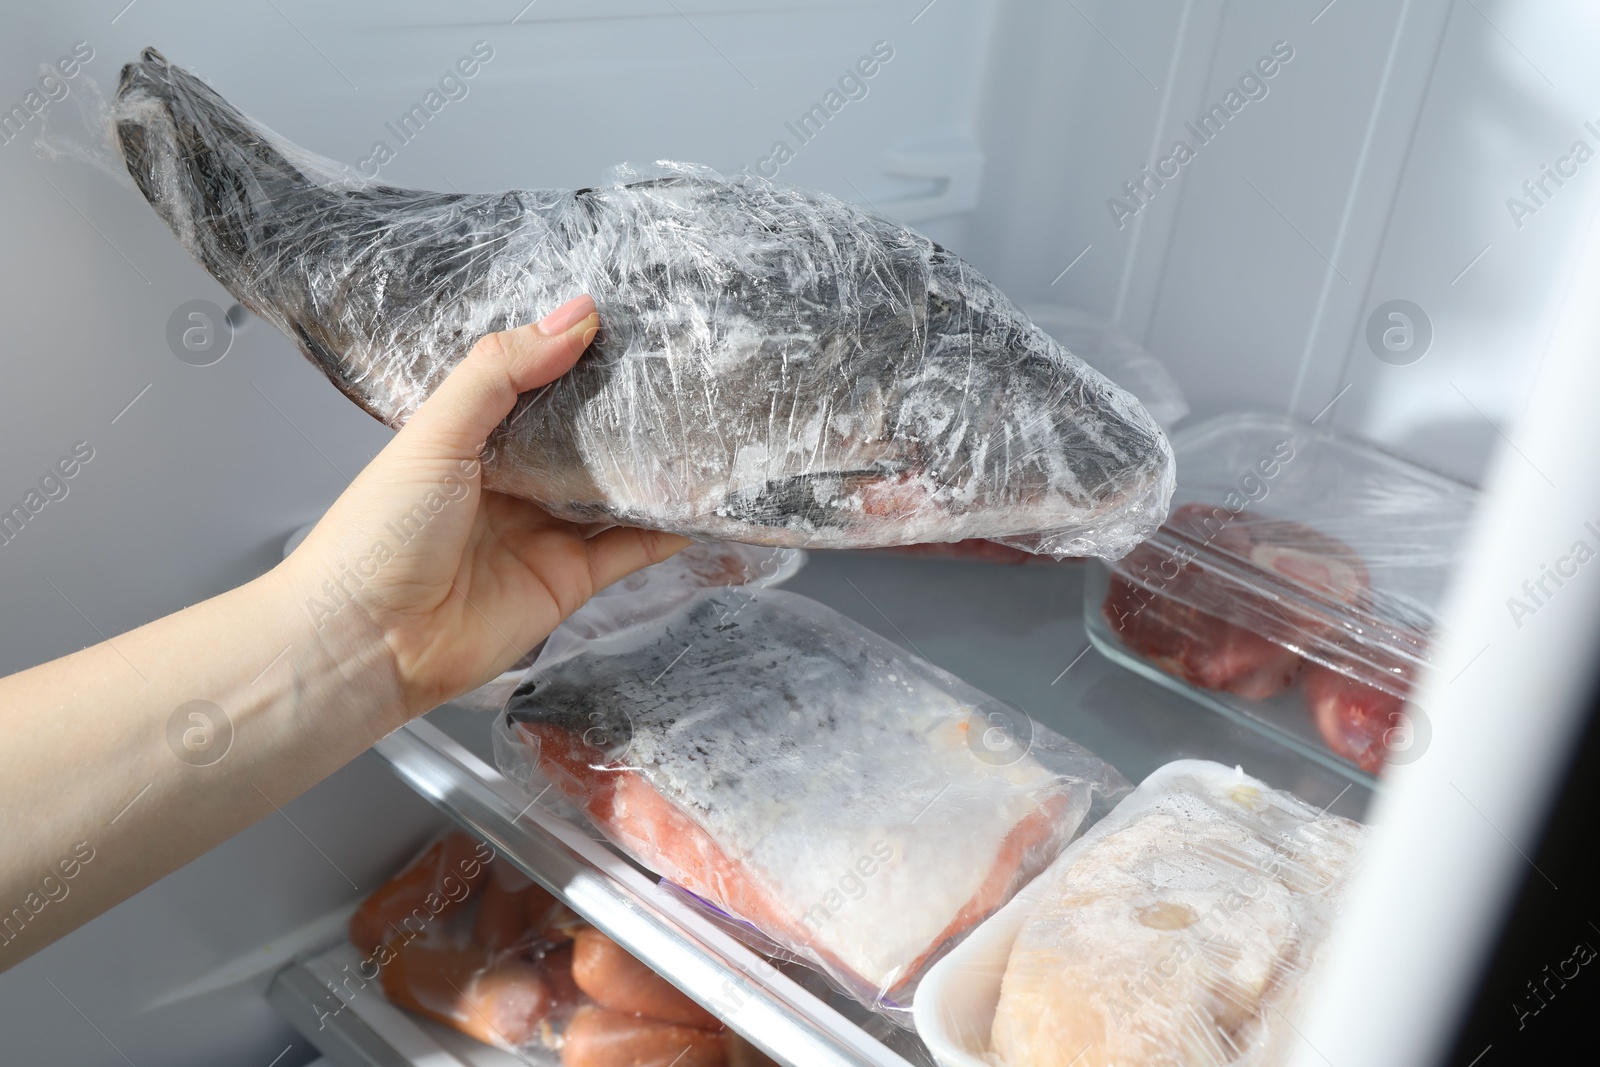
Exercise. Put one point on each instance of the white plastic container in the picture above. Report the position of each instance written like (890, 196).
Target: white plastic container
(955, 1006)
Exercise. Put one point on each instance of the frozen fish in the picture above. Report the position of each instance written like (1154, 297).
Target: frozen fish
(801, 774)
(775, 366)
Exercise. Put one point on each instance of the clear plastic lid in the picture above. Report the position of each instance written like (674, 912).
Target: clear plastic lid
(1324, 546)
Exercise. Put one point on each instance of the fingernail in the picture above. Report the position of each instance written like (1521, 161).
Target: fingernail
(588, 335)
(567, 315)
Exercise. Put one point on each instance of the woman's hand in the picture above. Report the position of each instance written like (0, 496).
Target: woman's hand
(415, 587)
(458, 582)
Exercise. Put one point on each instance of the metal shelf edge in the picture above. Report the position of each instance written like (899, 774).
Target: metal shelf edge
(771, 1011)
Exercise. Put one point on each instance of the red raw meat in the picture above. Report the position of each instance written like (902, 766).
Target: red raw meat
(1154, 619)
(1354, 718)
(1201, 649)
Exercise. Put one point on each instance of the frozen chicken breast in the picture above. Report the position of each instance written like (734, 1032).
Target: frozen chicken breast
(1179, 932)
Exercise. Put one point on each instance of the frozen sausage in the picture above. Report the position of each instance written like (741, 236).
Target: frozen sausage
(502, 919)
(605, 971)
(556, 965)
(498, 1000)
(597, 1037)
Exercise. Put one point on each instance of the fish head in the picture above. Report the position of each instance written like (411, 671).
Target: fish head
(968, 421)
(1013, 435)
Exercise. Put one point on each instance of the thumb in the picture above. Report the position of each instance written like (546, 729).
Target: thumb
(458, 417)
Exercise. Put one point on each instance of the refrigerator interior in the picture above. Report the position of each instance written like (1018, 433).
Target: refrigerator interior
(1399, 151)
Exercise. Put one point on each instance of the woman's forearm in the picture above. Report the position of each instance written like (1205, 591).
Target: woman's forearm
(126, 760)
(130, 758)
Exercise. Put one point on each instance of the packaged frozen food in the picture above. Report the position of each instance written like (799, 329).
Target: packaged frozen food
(542, 911)
(614, 979)
(774, 365)
(1103, 345)
(511, 967)
(600, 1037)
(495, 997)
(700, 565)
(705, 565)
(558, 972)
(1182, 930)
(1293, 557)
(430, 889)
(973, 548)
(1152, 598)
(1099, 343)
(856, 805)
(502, 919)
(1360, 722)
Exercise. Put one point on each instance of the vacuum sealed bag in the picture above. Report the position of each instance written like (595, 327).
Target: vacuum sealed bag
(856, 805)
(1182, 930)
(774, 366)
(699, 566)
(460, 936)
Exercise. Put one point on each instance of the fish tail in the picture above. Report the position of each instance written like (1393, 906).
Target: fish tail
(215, 177)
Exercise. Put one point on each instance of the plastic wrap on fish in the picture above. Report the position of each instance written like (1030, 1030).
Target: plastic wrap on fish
(774, 366)
(699, 566)
(707, 565)
(1100, 343)
(855, 804)
(972, 549)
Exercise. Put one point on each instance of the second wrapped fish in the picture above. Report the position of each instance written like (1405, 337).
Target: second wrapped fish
(857, 805)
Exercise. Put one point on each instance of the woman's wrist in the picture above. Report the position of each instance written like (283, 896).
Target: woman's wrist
(341, 672)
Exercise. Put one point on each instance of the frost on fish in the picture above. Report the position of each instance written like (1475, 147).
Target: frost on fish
(775, 366)
(799, 772)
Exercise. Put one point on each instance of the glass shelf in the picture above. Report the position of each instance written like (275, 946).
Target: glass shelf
(1014, 631)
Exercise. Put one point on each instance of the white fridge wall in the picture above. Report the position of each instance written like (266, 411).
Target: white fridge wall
(1377, 167)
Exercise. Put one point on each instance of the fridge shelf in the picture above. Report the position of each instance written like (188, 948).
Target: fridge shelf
(323, 998)
(1016, 632)
(771, 1010)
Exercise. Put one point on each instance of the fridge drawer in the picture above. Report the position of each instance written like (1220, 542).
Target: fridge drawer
(356, 1027)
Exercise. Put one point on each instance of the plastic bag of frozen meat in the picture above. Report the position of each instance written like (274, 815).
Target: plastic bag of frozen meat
(854, 804)
(461, 937)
